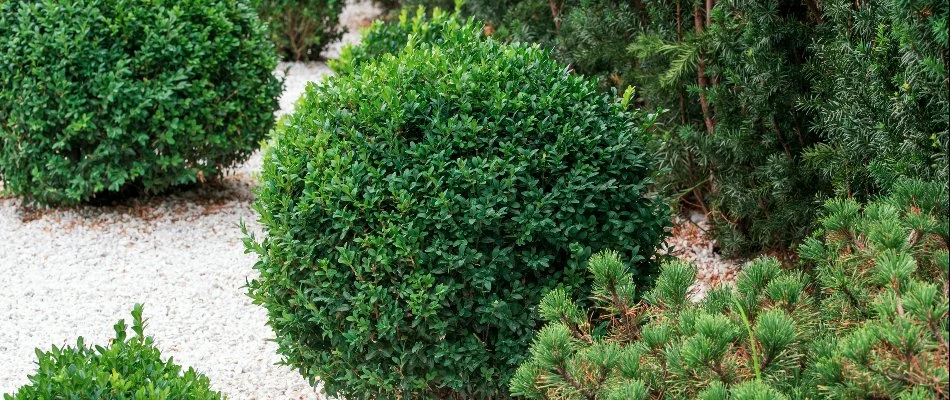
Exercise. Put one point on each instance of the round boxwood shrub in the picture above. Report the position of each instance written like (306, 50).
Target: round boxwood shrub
(417, 209)
(128, 368)
(129, 95)
(302, 29)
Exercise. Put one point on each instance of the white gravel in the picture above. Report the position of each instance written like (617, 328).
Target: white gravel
(690, 242)
(74, 272)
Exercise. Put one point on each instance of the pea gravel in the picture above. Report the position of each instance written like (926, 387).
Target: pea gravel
(74, 272)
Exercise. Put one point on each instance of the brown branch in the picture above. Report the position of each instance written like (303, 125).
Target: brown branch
(679, 28)
(781, 139)
(692, 178)
(576, 331)
(701, 72)
(573, 382)
(937, 334)
(814, 10)
(555, 13)
(679, 40)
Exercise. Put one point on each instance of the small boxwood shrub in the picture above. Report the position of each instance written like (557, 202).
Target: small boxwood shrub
(416, 210)
(128, 368)
(302, 29)
(867, 319)
(129, 95)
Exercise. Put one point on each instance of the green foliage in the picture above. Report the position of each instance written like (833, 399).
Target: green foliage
(384, 37)
(417, 209)
(593, 38)
(128, 368)
(869, 319)
(667, 347)
(880, 98)
(488, 11)
(776, 104)
(390, 5)
(302, 29)
(527, 21)
(94, 101)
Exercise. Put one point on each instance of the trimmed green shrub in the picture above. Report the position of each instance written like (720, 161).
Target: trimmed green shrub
(487, 11)
(392, 5)
(106, 96)
(867, 320)
(128, 368)
(302, 29)
(416, 209)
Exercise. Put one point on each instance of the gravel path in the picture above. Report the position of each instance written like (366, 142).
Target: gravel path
(74, 272)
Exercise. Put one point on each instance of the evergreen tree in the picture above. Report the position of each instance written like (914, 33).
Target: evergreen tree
(880, 94)
(736, 137)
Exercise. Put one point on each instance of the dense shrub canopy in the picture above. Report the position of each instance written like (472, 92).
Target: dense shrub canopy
(417, 209)
(129, 95)
(127, 368)
(731, 72)
(867, 320)
(302, 29)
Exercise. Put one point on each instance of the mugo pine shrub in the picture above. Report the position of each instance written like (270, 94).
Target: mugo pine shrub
(128, 368)
(104, 96)
(302, 29)
(868, 320)
(416, 210)
(668, 347)
(883, 272)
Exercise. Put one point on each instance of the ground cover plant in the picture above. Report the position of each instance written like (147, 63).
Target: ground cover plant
(302, 29)
(104, 104)
(126, 368)
(866, 318)
(416, 209)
